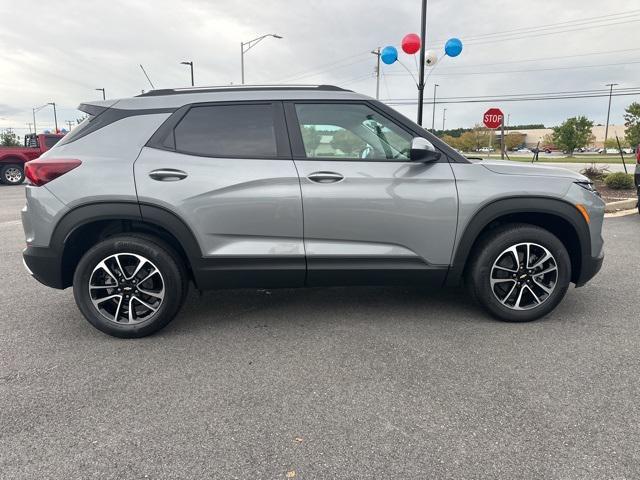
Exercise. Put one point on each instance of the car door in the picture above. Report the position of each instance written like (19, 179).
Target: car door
(370, 214)
(225, 170)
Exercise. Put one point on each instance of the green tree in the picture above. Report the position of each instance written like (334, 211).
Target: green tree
(453, 142)
(467, 142)
(613, 143)
(513, 140)
(9, 139)
(632, 124)
(310, 138)
(574, 132)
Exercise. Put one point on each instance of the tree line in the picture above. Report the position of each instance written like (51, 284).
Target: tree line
(572, 134)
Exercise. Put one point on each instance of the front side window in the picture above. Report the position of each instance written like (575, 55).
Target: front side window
(228, 131)
(350, 131)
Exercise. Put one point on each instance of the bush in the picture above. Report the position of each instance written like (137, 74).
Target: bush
(593, 172)
(619, 181)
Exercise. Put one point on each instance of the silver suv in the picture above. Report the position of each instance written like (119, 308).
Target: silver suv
(289, 187)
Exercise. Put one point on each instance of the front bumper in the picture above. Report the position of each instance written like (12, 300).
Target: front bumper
(590, 267)
(44, 265)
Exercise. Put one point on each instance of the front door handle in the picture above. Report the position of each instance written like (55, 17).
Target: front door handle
(168, 175)
(325, 177)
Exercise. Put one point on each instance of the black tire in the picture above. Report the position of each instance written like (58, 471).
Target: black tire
(163, 258)
(487, 251)
(12, 174)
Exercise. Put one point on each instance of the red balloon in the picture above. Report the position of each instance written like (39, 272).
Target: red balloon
(411, 43)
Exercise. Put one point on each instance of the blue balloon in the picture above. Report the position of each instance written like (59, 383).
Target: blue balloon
(389, 55)
(453, 47)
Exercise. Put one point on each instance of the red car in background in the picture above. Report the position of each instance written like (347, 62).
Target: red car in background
(12, 159)
(636, 177)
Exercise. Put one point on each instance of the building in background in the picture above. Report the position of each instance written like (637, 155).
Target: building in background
(534, 135)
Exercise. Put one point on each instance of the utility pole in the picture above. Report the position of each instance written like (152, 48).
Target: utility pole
(433, 118)
(246, 46)
(502, 142)
(104, 95)
(55, 114)
(69, 124)
(376, 52)
(29, 124)
(190, 65)
(423, 41)
(606, 129)
(35, 129)
(444, 116)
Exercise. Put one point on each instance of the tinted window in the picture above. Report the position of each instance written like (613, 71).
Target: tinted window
(51, 141)
(228, 131)
(351, 131)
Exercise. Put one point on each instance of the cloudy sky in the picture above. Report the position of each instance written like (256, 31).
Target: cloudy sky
(61, 51)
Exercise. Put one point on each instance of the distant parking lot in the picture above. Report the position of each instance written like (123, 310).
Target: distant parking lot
(333, 383)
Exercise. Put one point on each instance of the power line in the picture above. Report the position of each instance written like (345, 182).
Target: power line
(568, 23)
(576, 67)
(541, 59)
(560, 92)
(323, 67)
(496, 100)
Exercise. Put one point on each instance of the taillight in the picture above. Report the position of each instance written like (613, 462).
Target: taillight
(638, 153)
(43, 170)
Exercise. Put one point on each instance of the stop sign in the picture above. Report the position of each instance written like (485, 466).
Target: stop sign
(492, 118)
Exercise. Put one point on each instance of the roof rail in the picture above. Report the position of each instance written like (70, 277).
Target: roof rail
(235, 88)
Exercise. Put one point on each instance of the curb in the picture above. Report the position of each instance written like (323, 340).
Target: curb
(621, 205)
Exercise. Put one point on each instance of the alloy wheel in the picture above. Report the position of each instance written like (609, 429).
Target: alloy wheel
(13, 174)
(126, 288)
(524, 276)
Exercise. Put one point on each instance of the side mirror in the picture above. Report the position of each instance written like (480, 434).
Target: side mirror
(422, 150)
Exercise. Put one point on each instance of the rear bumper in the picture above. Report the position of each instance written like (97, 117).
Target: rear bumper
(590, 267)
(44, 265)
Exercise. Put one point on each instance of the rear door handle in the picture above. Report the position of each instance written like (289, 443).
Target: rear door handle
(168, 175)
(325, 177)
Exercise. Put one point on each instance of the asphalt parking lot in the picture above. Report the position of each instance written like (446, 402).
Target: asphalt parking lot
(375, 383)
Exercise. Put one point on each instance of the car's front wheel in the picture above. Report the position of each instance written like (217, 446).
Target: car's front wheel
(12, 174)
(519, 272)
(129, 286)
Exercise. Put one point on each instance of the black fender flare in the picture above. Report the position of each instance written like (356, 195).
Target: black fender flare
(516, 205)
(132, 211)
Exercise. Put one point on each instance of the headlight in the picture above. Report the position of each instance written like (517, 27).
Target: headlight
(588, 186)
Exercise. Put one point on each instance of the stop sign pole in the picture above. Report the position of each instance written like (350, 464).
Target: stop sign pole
(494, 118)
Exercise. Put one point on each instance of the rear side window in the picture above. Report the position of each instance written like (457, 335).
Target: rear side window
(228, 131)
(77, 131)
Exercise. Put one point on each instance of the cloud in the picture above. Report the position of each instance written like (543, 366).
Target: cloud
(71, 47)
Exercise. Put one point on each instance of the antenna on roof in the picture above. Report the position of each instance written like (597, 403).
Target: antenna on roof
(148, 79)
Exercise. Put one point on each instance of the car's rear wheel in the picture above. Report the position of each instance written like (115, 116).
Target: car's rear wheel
(12, 174)
(519, 272)
(130, 286)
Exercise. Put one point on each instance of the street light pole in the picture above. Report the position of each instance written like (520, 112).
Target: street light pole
(606, 129)
(35, 128)
(190, 65)
(433, 118)
(246, 46)
(376, 52)
(423, 41)
(104, 95)
(55, 114)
